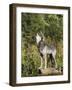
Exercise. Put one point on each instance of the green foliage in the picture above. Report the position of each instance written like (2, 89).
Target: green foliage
(52, 27)
(30, 61)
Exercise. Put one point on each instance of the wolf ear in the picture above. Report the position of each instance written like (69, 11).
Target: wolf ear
(42, 35)
(37, 34)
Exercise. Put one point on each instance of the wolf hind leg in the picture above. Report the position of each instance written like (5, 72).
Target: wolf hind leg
(54, 60)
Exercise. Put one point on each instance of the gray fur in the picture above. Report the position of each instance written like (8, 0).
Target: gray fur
(45, 50)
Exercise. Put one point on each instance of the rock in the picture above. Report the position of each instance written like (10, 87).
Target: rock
(49, 71)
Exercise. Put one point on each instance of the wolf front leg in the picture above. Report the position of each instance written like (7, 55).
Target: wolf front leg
(45, 57)
(41, 65)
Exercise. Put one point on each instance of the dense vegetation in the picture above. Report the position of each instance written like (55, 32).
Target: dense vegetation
(51, 25)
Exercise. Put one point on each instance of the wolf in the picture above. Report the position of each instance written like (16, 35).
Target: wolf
(45, 50)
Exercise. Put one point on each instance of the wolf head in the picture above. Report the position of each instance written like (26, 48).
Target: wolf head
(39, 37)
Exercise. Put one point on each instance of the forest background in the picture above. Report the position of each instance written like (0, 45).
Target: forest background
(51, 25)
